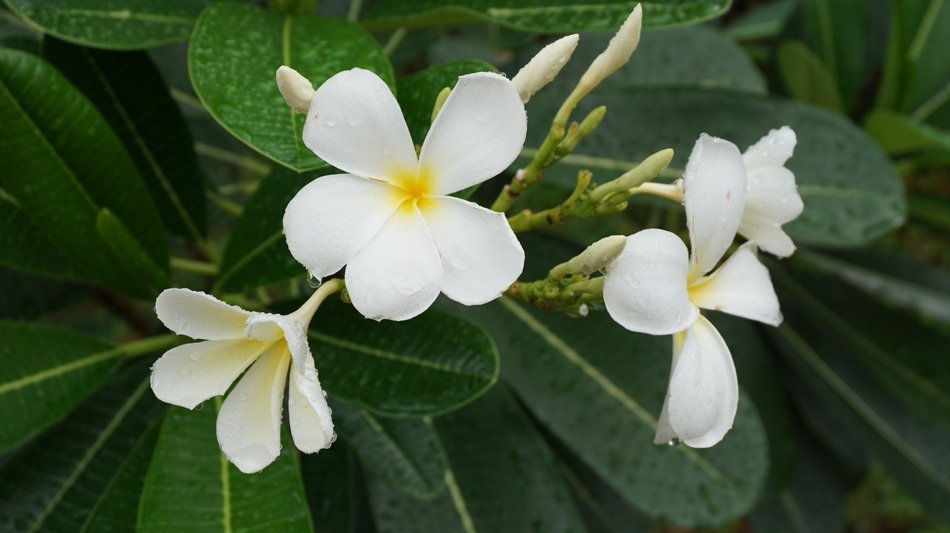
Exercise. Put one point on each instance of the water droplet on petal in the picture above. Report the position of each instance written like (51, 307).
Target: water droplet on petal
(184, 371)
(313, 281)
(242, 397)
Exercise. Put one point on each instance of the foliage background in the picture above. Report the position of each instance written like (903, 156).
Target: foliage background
(144, 145)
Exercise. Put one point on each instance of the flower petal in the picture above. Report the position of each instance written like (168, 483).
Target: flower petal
(333, 217)
(773, 200)
(355, 124)
(248, 425)
(310, 421)
(398, 274)
(714, 191)
(269, 327)
(645, 286)
(703, 393)
(773, 150)
(480, 254)
(191, 373)
(740, 287)
(199, 315)
(478, 132)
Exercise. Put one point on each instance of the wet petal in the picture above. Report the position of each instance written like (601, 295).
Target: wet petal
(399, 273)
(355, 124)
(310, 422)
(703, 393)
(773, 200)
(645, 286)
(773, 150)
(268, 327)
(740, 287)
(333, 217)
(199, 315)
(249, 420)
(480, 254)
(714, 192)
(191, 373)
(477, 134)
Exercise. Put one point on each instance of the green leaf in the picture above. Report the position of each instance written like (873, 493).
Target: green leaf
(24, 247)
(807, 79)
(599, 389)
(234, 77)
(548, 16)
(128, 90)
(26, 296)
(257, 253)
(132, 258)
(121, 24)
(190, 485)
(851, 191)
(901, 135)
(916, 77)
(417, 93)
(330, 479)
(905, 355)
(404, 452)
(844, 398)
(431, 364)
(894, 279)
(761, 20)
(47, 371)
(62, 163)
(59, 482)
(501, 477)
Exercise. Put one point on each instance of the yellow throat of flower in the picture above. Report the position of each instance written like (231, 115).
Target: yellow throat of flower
(413, 189)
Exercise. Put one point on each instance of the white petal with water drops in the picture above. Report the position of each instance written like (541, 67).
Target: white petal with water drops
(480, 254)
(740, 287)
(199, 315)
(310, 423)
(190, 374)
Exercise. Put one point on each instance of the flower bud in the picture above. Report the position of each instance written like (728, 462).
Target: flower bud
(594, 258)
(296, 90)
(645, 171)
(544, 66)
(618, 52)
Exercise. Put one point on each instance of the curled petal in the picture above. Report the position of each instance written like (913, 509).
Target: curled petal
(248, 424)
(355, 124)
(399, 273)
(191, 373)
(199, 315)
(773, 150)
(703, 393)
(645, 286)
(333, 217)
(269, 327)
(714, 191)
(477, 134)
(740, 287)
(480, 254)
(773, 200)
(310, 422)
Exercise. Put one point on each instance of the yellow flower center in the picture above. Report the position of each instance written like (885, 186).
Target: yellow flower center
(413, 189)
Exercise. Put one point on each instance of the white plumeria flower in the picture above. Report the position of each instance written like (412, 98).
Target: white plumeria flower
(773, 198)
(248, 425)
(390, 219)
(655, 286)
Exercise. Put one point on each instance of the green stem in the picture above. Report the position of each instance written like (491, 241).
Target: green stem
(355, 7)
(247, 163)
(394, 41)
(194, 267)
(232, 208)
(152, 344)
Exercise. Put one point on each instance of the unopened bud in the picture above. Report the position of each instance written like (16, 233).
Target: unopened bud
(296, 90)
(440, 101)
(645, 171)
(618, 52)
(544, 66)
(596, 257)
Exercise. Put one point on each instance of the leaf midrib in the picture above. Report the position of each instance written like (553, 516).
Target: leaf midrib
(49, 373)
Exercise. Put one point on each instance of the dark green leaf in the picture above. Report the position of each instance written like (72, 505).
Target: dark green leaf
(548, 16)
(329, 478)
(761, 20)
(56, 483)
(62, 163)
(901, 135)
(131, 257)
(26, 296)
(402, 452)
(599, 389)
(128, 90)
(501, 477)
(123, 24)
(190, 486)
(47, 371)
(851, 191)
(841, 395)
(257, 252)
(24, 247)
(431, 364)
(417, 93)
(807, 79)
(235, 51)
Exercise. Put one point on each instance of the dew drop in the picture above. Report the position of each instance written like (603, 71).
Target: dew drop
(313, 281)
(331, 122)
(194, 356)
(242, 397)
(184, 371)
